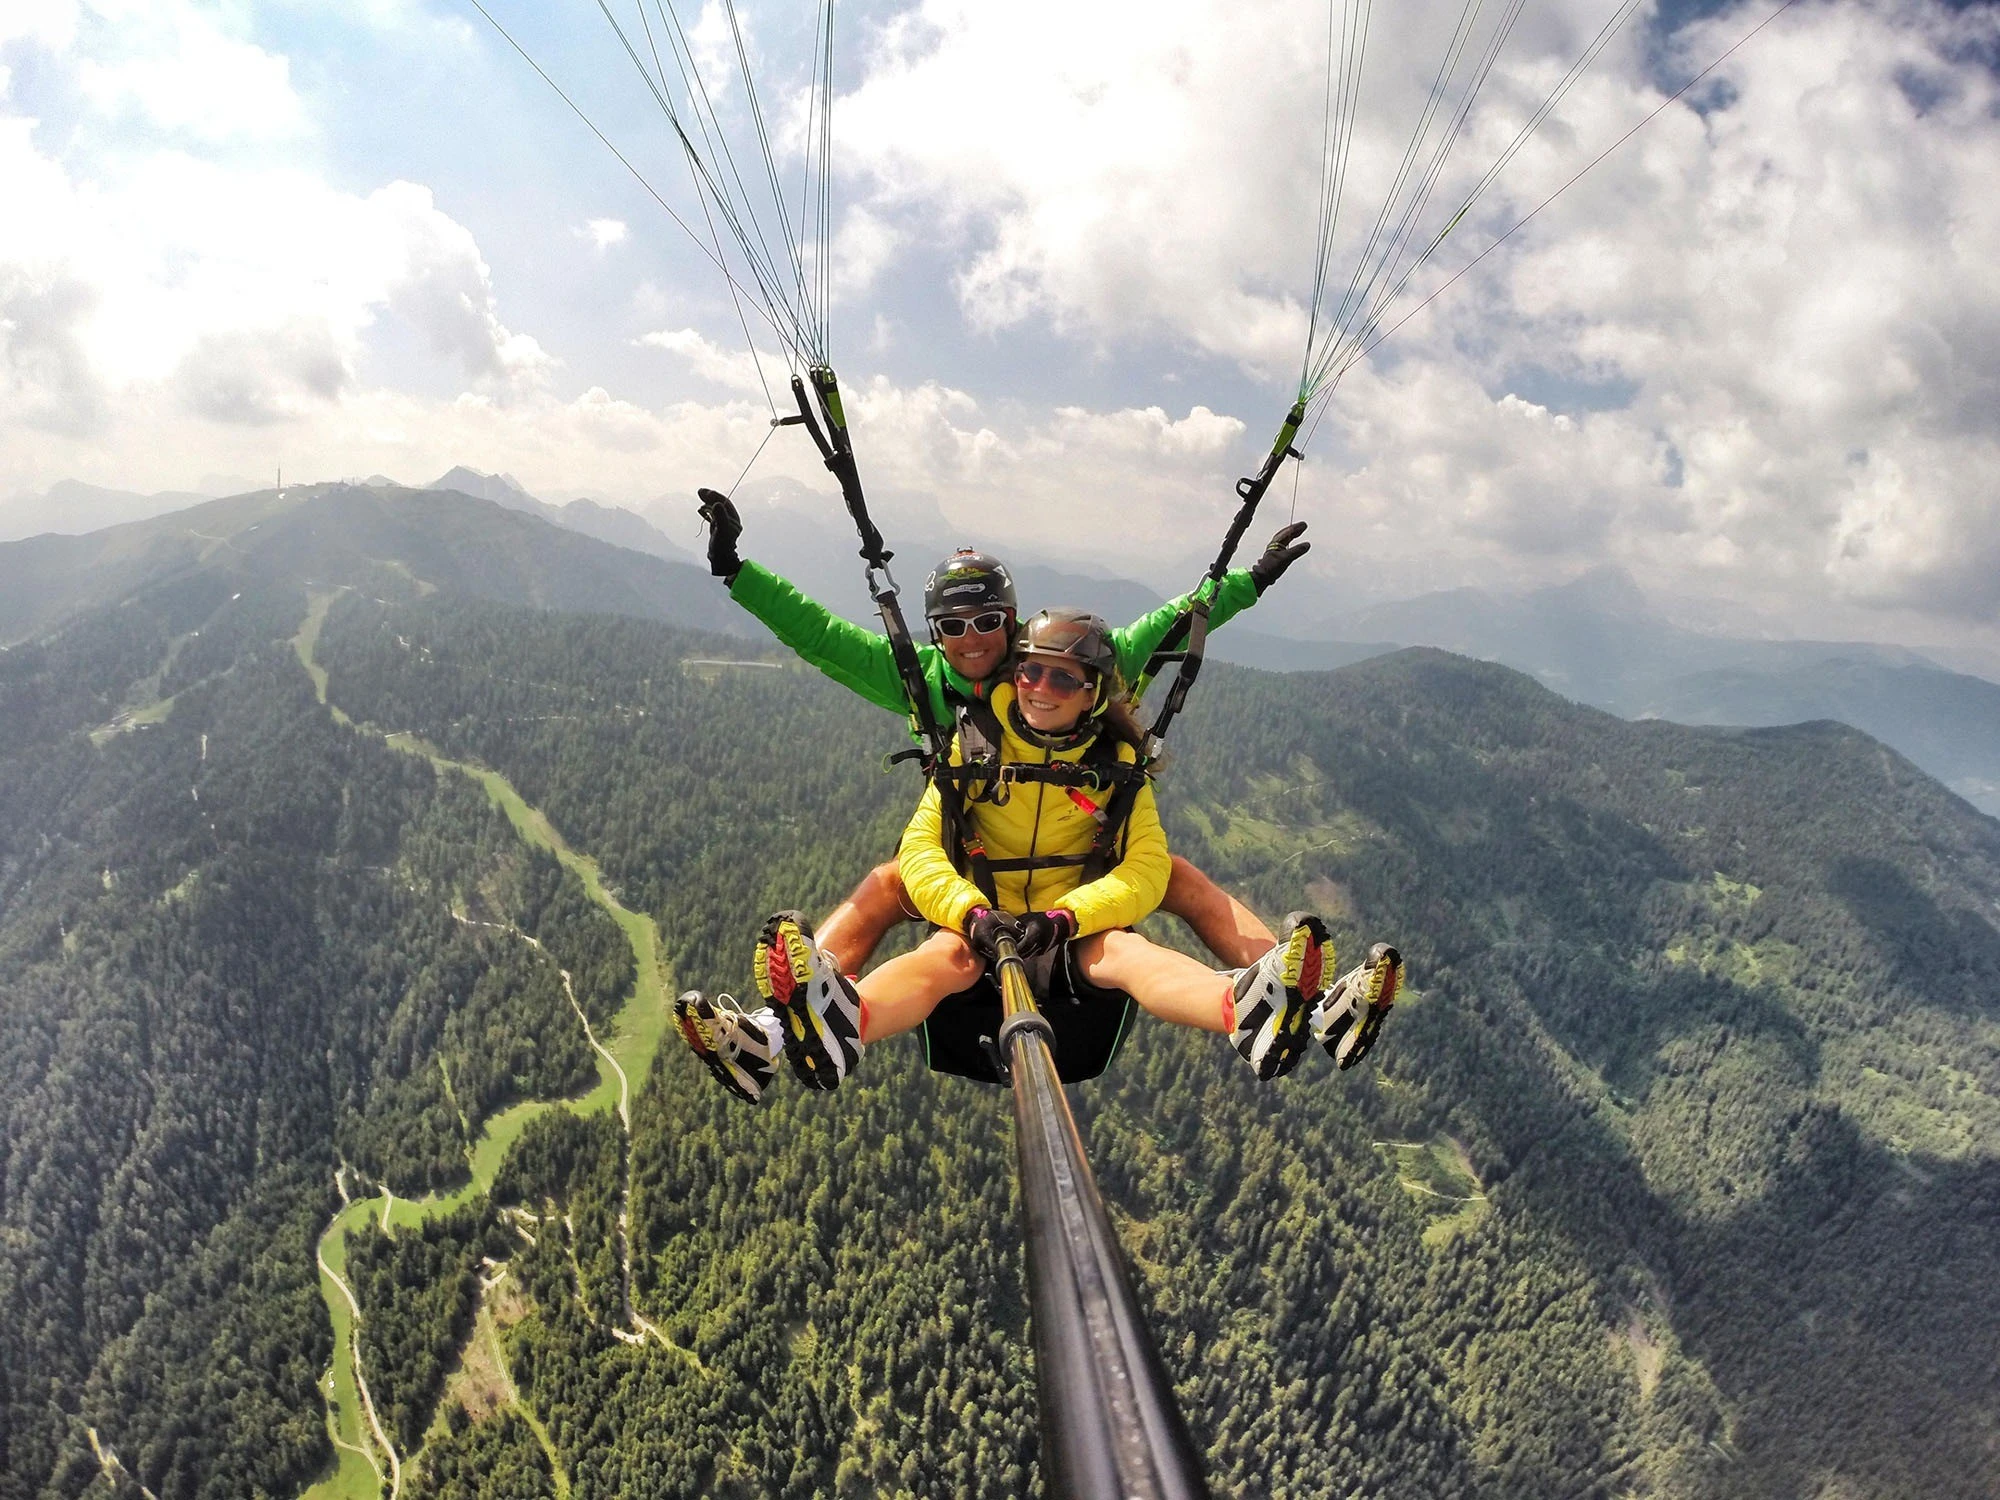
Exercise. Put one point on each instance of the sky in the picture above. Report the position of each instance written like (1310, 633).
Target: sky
(1753, 357)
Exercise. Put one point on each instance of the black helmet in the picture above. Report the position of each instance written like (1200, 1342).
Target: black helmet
(967, 582)
(1076, 634)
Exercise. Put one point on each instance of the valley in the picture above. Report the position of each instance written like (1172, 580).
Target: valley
(636, 1032)
(345, 957)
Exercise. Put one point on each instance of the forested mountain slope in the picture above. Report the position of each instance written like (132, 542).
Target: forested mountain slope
(1712, 1014)
(384, 541)
(238, 944)
(1674, 1176)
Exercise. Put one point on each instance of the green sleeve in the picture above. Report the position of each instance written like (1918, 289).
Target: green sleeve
(852, 655)
(1137, 642)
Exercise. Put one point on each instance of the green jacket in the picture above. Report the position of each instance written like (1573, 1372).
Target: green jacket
(858, 658)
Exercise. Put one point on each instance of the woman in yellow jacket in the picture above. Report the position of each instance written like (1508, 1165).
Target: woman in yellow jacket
(1058, 858)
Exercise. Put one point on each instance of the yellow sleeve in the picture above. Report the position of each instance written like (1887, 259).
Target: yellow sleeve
(936, 889)
(1133, 887)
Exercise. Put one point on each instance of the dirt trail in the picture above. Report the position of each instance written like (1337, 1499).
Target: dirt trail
(361, 1380)
(113, 1470)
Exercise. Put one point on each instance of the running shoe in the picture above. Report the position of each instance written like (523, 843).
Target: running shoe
(1351, 1014)
(1275, 997)
(740, 1047)
(817, 1008)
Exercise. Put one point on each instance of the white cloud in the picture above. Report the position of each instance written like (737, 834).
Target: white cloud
(864, 247)
(1757, 353)
(176, 67)
(168, 273)
(182, 257)
(1125, 168)
(50, 23)
(732, 369)
(1793, 296)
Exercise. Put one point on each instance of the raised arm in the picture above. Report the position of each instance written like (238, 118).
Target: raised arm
(852, 655)
(1240, 588)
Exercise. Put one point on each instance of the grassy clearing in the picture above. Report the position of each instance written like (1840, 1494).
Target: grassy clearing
(1438, 1176)
(155, 712)
(481, 1383)
(354, 1477)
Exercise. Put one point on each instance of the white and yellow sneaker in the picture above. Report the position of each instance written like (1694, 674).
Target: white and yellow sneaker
(816, 1006)
(1350, 1016)
(740, 1047)
(1275, 997)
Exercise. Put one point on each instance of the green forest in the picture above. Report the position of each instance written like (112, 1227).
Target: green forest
(1674, 1174)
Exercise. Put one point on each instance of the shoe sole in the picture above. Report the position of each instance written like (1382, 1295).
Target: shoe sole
(784, 972)
(698, 1031)
(1385, 977)
(1302, 971)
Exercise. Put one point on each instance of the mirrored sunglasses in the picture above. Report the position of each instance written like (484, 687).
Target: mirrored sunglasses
(1058, 680)
(984, 623)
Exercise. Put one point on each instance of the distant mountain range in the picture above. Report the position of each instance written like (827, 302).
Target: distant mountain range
(1597, 639)
(72, 507)
(389, 542)
(1600, 641)
(608, 523)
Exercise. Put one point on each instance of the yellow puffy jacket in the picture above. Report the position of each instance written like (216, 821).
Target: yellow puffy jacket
(1037, 819)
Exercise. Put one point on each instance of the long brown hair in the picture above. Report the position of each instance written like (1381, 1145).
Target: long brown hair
(1121, 719)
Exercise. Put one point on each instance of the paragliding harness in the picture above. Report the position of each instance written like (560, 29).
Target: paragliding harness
(1099, 783)
(1089, 1023)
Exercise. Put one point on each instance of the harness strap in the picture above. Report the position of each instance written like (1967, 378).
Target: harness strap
(1037, 862)
(838, 453)
(1099, 771)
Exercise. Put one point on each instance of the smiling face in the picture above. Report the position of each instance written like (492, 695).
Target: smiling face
(1053, 693)
(973, 653)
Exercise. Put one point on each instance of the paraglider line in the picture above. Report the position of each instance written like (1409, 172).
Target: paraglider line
(623, 161)
(775, 424)
(1594, 162)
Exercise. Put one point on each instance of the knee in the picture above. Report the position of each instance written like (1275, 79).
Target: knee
(1107, 947)
(954, 956)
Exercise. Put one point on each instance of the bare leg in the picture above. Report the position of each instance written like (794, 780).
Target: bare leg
(854, 928)
(1170, 985)
(1231, 931)
(904, 991)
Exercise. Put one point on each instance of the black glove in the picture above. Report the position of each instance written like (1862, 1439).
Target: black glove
(1285, 549)
(1043, 930)
(724, 527)
(984, 927)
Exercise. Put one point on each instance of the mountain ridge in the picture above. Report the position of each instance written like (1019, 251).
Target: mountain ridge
(1697, 1078)
(394, 542)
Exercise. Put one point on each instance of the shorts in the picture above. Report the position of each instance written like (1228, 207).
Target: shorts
(1090, 1024)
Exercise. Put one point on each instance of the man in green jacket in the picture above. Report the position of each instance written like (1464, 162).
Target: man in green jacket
(970, 605)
